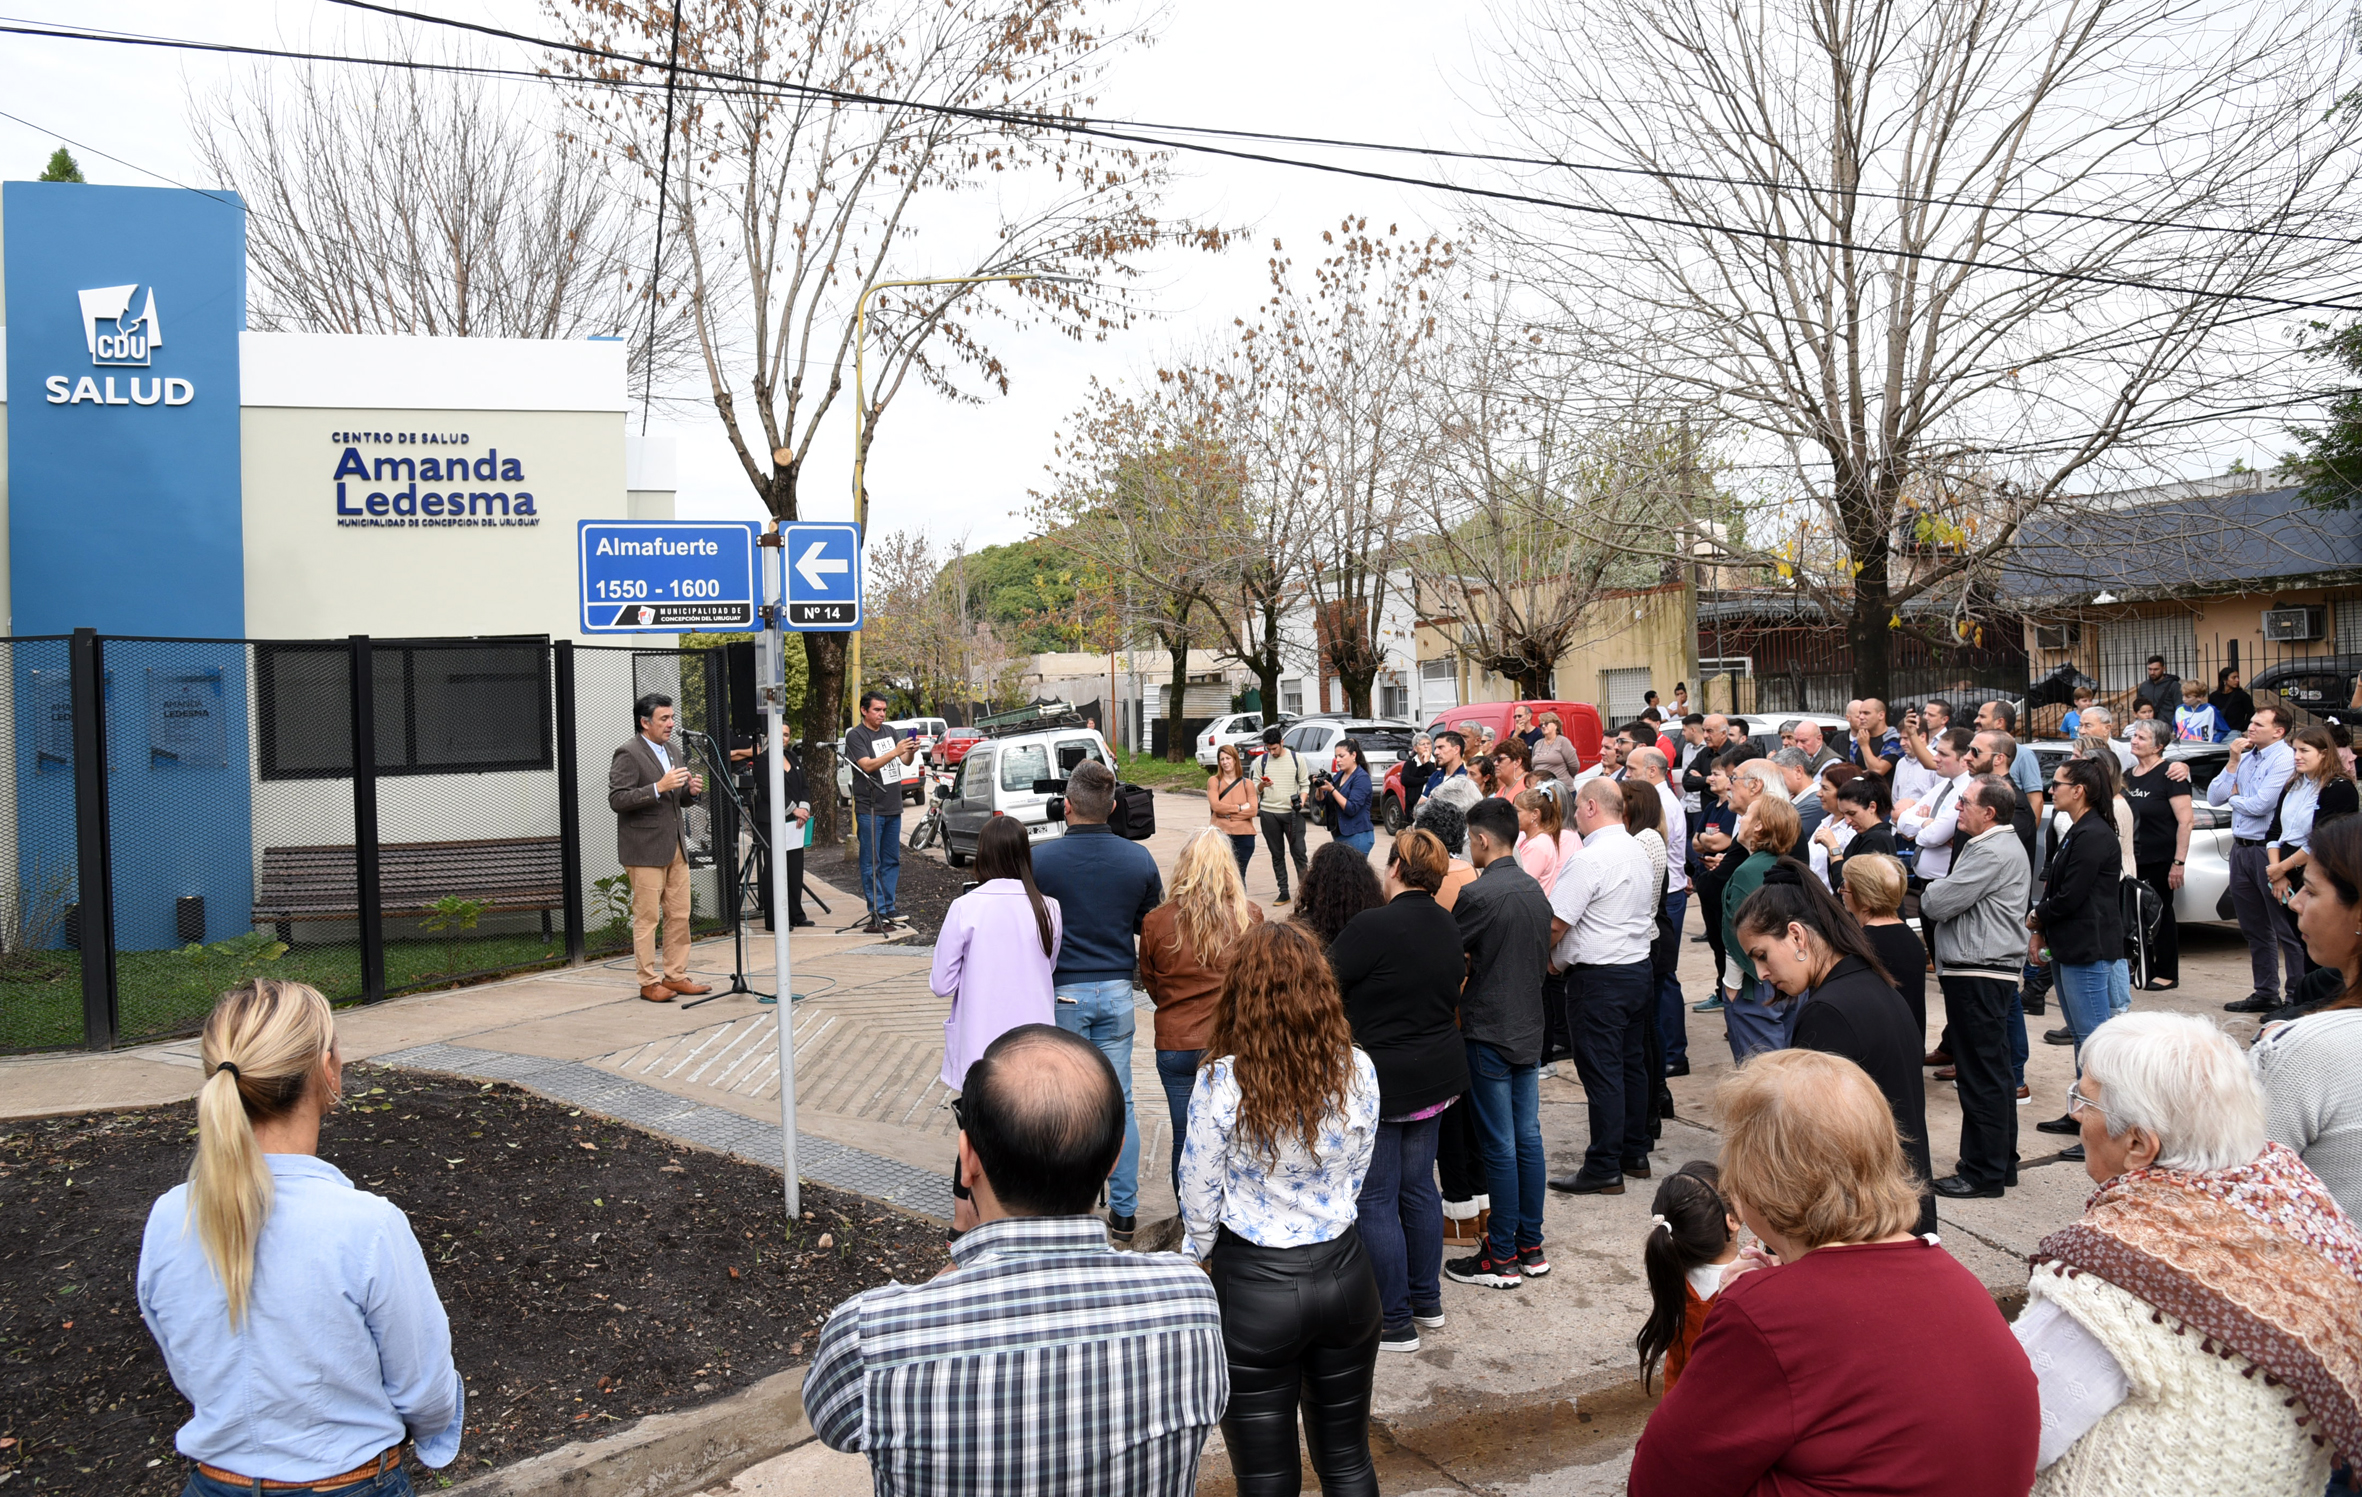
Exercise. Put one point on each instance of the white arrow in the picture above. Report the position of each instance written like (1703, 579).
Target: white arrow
(812, 568)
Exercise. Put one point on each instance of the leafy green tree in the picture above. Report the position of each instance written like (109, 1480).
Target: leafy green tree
(2330, 465)
(62, 167)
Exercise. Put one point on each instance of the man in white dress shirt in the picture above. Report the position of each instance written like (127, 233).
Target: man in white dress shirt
(1603, 917)
(1935, 821)
(1672, 1027)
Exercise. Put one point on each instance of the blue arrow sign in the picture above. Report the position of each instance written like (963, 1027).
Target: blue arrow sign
(823, 577)
(667, 576)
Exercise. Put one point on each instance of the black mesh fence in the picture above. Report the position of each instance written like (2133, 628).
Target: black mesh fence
(232, 833)
(40, 883)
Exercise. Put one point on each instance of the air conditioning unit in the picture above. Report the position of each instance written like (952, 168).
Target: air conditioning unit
(2291, 624)
(2057, 636)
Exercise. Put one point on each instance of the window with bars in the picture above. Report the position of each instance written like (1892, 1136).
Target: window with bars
(1625, 691)
(2126, 644)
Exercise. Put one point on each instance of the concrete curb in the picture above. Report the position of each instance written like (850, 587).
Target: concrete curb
(665, 1455)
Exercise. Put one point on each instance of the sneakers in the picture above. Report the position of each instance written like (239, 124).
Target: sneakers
(2025, 1096)
(1481, 1270)
(1431, 1319)
(1283, 897)
(1406, 1339)
(1532, 1262)
(1712, 1005)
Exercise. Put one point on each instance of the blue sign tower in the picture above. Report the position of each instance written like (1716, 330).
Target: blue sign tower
(124, 308)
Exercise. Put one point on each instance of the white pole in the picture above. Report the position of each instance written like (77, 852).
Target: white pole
(775, 724)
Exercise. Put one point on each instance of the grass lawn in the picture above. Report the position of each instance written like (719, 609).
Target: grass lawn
(163, 993)
(1156, 774)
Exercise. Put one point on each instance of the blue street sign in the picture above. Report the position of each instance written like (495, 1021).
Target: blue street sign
(667, 576)
(823, 578)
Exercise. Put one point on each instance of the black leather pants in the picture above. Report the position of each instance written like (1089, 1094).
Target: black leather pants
(1301, 1328)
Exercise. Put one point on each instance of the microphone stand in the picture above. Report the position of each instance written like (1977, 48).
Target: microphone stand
(742, 869)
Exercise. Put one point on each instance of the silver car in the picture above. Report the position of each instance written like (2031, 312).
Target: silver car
(997, 778)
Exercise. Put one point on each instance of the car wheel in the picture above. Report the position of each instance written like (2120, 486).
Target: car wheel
(1391, 813)
(953, 855)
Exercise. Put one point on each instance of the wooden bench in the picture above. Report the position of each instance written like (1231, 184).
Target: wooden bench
(507, 875)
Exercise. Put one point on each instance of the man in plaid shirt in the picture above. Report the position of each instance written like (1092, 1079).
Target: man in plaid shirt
(1042, 1360)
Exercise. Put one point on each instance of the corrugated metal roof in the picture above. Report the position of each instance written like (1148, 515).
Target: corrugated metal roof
(2236, 542)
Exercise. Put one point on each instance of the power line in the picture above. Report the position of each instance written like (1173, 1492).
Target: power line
(1083, 127)
(663, 184)
(119, 161)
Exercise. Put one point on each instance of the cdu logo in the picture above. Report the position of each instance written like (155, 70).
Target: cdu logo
(114, 339)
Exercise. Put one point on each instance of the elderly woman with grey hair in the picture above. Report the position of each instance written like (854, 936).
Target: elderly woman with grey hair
(2199, 1329)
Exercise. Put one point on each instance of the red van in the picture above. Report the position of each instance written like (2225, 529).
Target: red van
(1579, 721)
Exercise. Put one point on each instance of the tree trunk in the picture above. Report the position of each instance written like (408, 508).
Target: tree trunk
(1867, 633)
(1176, 690)
(824, 687)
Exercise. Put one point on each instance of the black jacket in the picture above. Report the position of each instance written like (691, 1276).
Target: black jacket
(1504, 921)
(1854, 1014)
(2081, 919)
(1399, 967)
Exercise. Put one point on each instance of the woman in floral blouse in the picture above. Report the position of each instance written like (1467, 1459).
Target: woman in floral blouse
(1280, 1132)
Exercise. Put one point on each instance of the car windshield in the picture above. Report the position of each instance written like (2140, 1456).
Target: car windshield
(1375, 740)
(1024, 763)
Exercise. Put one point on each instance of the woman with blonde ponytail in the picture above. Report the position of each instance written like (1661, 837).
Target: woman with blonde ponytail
(295, 1313)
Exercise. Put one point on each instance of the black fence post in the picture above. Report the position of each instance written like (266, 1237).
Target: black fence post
(569, 809)
(94, 916)
(364, 695)
(718, 798)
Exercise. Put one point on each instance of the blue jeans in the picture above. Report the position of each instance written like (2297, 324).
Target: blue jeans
(395, 1483)
(1508, 1103)
(1753, 1025)
(1177, 1069)
(1609, 1009)
(1101, 1012)
(1672, 1016)
(2084, 999)
(1360, 842)
(881, 859)
(1243, 849)
(2119, 987)
(1402, 1220)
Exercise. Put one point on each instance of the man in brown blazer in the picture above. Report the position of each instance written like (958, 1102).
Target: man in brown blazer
(649, 784)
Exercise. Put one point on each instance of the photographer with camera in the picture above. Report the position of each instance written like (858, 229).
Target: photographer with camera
(1285, 785)
(1345, 789)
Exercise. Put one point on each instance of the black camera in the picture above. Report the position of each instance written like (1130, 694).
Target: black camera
(1055, 809)
(1320, 779)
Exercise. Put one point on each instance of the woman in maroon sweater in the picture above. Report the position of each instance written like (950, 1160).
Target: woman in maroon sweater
(1864, 1360)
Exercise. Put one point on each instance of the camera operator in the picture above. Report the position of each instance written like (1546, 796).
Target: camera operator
(799, 825)
(1346, 791)
(1284, 783)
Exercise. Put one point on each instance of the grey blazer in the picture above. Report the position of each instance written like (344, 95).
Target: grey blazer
(647, 823)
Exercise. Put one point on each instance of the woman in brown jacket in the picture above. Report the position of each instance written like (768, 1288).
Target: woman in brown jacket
(1185, 946)
(1231, 804)
(1555, 757)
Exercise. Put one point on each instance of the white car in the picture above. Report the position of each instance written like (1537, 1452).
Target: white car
(1382, 741)
(2204, 897)
(927, 730)
(998, 776)
(1244, 729)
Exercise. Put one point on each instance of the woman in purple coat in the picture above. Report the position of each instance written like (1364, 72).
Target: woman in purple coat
(994, 956)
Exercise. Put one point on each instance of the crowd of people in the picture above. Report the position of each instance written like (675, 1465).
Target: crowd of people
(1354, 1089)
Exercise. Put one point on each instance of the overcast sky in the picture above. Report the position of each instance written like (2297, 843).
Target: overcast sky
(1370, 69)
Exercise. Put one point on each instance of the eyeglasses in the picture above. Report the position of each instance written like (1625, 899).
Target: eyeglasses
(959, 1112)
(2076, 1101)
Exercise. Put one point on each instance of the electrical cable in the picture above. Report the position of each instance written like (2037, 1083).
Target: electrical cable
(1080, 127)
(663, 185)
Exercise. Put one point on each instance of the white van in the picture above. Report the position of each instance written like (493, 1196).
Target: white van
(997, 778)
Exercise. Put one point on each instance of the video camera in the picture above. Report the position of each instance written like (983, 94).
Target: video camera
(1134, 816)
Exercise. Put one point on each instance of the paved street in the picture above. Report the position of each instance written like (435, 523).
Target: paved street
(1530, 1391)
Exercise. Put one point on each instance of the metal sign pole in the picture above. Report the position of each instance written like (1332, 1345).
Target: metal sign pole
(773, 695)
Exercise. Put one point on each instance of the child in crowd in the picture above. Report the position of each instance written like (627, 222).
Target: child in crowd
(1692, 1241)
(2196, 720)
(2073, 721)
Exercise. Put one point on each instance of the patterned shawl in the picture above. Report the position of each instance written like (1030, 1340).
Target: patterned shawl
(2258, 1260)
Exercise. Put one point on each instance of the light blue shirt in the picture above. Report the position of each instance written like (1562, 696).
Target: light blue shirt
(1303, 1196)
(344, 1350)
(657, 749)
(2025, 772)
(2298, 812)
(2252, 789)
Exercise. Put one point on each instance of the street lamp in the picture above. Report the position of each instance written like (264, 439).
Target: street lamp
(861, 414)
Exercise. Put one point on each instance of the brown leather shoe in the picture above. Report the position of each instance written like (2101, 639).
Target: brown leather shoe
(1947, 1073)
(657, 992)
(1937, 1058)
(685, 986)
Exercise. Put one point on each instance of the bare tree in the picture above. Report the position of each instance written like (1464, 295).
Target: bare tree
(790, 201)
(1534, 501)
(1936, 266)
(1357, 345)
(401, 201)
